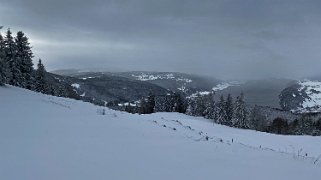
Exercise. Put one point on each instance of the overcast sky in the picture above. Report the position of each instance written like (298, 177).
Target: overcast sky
(222, 38)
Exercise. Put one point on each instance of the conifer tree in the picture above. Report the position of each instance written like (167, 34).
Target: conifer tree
(4, 74)
(24, 57)
(10, 58)
(40, 78)
(178, 103)
(150, 103)
(210, 106)
(240, 113)
(229, 108)
(190, 107)
(221, 115)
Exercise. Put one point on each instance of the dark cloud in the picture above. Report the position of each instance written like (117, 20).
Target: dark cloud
(223, 38)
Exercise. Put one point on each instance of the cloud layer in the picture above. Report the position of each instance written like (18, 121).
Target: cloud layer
(221, 38)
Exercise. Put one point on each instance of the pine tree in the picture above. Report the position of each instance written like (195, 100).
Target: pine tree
(143, 105)
(10, 58)
(210, 107)
(190, 107)
(178, 104)
(40, 78)
(4, 70)
(221, 115)
(240, 113)
(229, 108)
(24, 56)
(150, 103)
(199, 106)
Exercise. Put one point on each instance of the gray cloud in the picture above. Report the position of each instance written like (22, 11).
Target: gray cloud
(222, 38)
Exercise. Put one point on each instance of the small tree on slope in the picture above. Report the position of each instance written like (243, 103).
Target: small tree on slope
(40, 78)
(240, 113)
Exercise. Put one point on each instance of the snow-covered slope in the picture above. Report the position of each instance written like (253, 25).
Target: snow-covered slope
(303, 96)
(151, 77)
(45, 137)
(313, 90)
(225, 85)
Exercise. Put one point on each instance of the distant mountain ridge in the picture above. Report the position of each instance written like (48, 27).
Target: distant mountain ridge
(123, 87)
(259, 92)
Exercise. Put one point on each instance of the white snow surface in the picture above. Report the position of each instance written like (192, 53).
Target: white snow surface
(46, 137)
(197, 94)
(151, 77)
(75, 85)
(225, 85)
(88, 78)
(313, 90)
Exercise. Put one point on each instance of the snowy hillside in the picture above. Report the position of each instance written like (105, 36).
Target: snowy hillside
(169, 76)
(303, 96)
(225, 85)
(45, 137)
(313, 90)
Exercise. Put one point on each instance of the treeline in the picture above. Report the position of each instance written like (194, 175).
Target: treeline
(304, 125)
(225, 111)
(161, 103)
(231, 112)
(16, 66)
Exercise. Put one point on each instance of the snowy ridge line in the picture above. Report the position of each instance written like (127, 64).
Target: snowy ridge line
(297, 155)
(152, 77)
(225, 85)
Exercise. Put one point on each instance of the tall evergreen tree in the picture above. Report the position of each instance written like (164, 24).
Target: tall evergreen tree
(229, 108)
(210, 106)
(3, 64)
(221, 115)
(150, 103)
(190, 107)
(177, 103)
(24, 57)
(240, 119)
(10, 58)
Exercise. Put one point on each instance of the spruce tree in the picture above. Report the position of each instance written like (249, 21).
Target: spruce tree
(2, 74)
(10, 58)
(229, 108)
(190, 107)
(3, 64)
(209, 112)
(40, 78)
(150, 103)
(240, 113)
(24, 56)
(221, 115)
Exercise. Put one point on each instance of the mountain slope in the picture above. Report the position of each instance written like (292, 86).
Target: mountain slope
(106, 89)
(302, 96)
(45, 137)
(263, 92)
